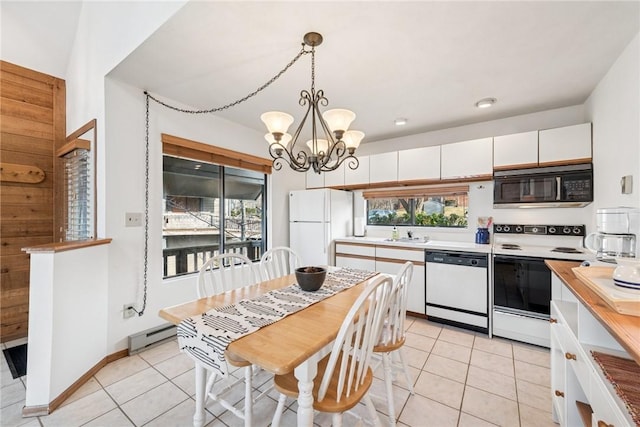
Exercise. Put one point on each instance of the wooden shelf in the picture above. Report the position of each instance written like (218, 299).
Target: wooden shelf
(78, 143)
(585, 412)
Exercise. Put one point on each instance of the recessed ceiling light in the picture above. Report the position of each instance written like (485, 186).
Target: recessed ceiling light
(486, 102)
(400, 122)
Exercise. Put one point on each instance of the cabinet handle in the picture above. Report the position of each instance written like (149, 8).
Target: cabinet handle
(552, 320)
(603, 424)
(570, 356)
(559, 393)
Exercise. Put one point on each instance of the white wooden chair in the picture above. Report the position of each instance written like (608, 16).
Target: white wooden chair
(392, 337)
(225, 272)
(279, 261)
(344, 376)
(219, 274)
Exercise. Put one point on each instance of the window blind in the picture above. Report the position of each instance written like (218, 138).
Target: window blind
(79, 194)
(185, 148)
(415, 192)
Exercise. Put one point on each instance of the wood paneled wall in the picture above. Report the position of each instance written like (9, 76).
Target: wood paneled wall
(32, 124)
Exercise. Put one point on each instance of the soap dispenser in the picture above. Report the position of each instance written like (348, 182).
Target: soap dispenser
(394, 233)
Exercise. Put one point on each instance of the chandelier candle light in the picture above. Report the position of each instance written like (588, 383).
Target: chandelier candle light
(328, 147)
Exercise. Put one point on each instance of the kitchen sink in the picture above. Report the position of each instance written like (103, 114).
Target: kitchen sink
(407, 239)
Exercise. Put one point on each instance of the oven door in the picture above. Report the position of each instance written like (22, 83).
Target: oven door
(521, 285)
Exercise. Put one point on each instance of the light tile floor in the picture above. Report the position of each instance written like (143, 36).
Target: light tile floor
(461, 379)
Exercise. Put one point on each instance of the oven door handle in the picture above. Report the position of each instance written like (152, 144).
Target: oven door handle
(517, 258)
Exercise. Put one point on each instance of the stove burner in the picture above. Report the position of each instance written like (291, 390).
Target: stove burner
(567, 250)
(511, 246)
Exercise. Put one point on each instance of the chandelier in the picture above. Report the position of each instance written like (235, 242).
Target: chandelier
(331, 143)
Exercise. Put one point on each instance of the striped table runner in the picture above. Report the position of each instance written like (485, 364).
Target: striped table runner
(205, 337)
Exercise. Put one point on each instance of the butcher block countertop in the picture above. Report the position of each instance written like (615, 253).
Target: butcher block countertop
(624, 328)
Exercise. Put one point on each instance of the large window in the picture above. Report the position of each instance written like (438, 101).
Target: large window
(210, 209)
(447, 209)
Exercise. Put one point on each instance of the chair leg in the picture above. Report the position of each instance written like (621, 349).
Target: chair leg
(278, 414)
(372, 410)
(201, 377)
(405, 368)
(336, 420)
(388, 382)
(248, 396)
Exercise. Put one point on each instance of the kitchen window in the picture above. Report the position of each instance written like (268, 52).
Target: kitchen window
(214, 202)
(419, 207)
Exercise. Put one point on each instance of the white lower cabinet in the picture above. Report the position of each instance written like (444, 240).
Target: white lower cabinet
(415, 294)
(355, 262)
(579, 392)
(388, 260)
(356, 256)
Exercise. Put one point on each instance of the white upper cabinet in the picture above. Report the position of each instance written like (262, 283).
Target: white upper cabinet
(383, 167)
(467, 158)
(519, 149)
(335, 178)
(419, 163)
(360, 175)
(566, 143)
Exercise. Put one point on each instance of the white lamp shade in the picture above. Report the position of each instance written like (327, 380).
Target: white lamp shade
(285, 140)
(323, 145)
(339, 119)
(277, 121)
(352, 138)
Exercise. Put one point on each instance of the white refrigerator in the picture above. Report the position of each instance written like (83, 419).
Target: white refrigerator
(316, 218)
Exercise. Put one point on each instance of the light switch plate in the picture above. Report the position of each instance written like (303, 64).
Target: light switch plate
(626, 184)
(133, 219)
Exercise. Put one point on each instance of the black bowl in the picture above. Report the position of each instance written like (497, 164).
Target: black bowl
(310, 278)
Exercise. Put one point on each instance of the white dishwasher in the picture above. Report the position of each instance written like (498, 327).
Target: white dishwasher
(457, 289)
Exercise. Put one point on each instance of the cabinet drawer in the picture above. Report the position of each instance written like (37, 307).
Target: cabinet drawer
(401, 254)
(356, 261)
(355, 249)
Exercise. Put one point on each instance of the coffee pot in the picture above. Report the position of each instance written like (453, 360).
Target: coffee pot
(617, 233)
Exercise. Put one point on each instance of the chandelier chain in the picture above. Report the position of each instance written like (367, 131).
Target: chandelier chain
(303, 51)
(313, 70)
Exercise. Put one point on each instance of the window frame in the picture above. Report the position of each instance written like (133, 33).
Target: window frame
(410, 194)
(224, 159)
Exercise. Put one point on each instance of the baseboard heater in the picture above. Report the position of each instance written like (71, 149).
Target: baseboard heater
(151, 337)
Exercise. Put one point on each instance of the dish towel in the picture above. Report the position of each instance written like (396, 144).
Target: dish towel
(205, 337)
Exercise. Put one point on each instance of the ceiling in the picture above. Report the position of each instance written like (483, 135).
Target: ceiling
(425, 61)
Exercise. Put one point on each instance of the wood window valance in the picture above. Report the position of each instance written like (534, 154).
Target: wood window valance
(181, 147)
(415, 192)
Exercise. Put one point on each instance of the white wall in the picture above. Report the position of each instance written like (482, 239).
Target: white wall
(107, 32)
(614, 109)
(125, 192)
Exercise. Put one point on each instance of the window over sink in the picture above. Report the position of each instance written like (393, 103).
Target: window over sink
(418, 207)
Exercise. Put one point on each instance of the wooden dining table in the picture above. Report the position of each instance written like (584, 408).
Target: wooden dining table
(294, 343)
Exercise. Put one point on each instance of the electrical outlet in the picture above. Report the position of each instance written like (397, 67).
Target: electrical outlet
(133, 219)
(128, 311)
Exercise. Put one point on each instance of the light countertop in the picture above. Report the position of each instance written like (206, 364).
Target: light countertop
(419, 243)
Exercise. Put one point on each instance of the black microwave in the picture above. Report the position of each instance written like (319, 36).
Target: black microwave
(552, 186)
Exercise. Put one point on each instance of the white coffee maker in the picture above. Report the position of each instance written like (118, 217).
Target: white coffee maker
(617, 234)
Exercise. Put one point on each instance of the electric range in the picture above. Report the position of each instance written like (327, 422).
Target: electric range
(521, 282)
